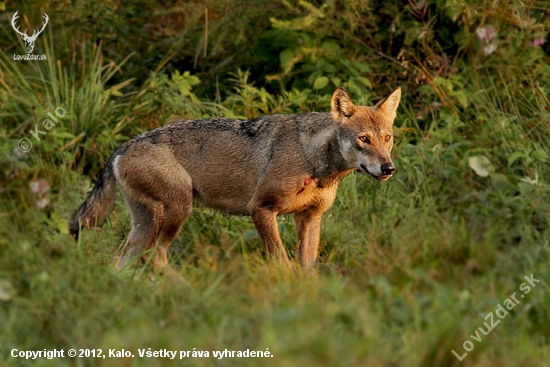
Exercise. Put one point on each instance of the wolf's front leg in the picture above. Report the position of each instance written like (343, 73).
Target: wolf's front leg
(308, 229)
(265, 221)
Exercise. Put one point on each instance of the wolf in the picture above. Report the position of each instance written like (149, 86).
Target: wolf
(264, 167)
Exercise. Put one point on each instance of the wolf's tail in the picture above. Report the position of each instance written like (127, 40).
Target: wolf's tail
(99, 201)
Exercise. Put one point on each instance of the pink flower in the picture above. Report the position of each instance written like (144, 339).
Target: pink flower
(40, 188)
(489, 49)
(538, 41)
(486, 34)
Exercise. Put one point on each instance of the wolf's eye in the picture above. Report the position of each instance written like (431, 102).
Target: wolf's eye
(388, 137)
(364, 139)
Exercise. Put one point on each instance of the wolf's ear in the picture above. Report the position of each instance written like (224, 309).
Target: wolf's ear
(389, 104)
(341, 104)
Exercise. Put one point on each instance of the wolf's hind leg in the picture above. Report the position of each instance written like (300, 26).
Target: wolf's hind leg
(175, 215)
(141, 234)
(159, 192)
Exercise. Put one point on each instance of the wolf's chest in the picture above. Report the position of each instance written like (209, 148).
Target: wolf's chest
(311, 194)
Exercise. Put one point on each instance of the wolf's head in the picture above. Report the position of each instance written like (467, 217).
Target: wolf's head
(365, 135)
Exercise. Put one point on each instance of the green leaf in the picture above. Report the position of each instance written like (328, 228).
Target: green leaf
(330, 68)
(426, 88)
(313, 77)
(461, 97)
(62, 134)
(442, 82)
(365, 81)
(320, 82)
(60, 223)
(525, 187)
(287, 59)
(352, 88)
(362, 67)
(330, 47)
(514, 157)
(347, 64)
(539, 155)
(452, 9)
(185, 82)
(336, 81)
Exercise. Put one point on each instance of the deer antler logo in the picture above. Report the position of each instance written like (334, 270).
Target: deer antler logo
(29, 41)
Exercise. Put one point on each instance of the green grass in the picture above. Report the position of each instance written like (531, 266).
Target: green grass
(409, 268)
(387, 294)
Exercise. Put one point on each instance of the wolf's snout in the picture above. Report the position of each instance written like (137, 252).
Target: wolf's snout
(387, 169)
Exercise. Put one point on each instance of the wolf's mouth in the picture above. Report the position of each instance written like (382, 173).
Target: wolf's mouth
(379, 178)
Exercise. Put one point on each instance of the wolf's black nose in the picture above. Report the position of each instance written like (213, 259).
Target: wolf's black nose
(387, 169)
